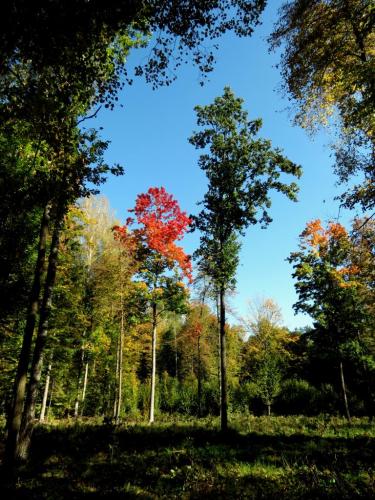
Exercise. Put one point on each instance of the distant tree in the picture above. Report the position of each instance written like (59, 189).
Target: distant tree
(267, 350)
(241, 171)
(328, 66)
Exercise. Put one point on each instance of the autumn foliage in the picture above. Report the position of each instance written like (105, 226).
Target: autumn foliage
(319, 238)
(333, 244)
(159, 224)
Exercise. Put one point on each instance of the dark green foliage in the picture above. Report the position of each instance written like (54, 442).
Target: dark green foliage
(20, 215)
(241, 170)
(75, 36)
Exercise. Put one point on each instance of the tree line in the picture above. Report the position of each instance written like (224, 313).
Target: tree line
(100, 358)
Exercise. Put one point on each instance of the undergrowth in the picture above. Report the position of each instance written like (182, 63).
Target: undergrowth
(260, 457)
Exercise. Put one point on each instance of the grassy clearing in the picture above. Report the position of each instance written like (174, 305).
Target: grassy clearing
(277, 457)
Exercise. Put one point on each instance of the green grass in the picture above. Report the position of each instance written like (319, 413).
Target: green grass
(260, 457)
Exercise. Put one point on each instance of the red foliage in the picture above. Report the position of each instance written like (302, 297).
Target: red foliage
(126, 237)
(162, 223)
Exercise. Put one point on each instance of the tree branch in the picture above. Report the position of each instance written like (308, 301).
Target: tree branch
(90, 116)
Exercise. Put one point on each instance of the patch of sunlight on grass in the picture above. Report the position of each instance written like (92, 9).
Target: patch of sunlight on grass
(257, 469)
(82, 487)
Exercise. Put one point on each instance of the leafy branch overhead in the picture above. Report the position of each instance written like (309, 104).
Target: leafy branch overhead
(328, 65)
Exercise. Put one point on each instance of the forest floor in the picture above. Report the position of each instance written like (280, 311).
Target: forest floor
(270, 458)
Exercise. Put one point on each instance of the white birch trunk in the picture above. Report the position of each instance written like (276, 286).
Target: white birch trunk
(45, 394)
(153, 368)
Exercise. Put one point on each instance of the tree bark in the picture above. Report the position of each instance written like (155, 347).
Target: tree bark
(344, 393)
(28, 416)
(223, 365)
(45, 393)
(153, 366)
(19, 390)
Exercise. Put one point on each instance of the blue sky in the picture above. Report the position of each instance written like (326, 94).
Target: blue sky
(149, 138)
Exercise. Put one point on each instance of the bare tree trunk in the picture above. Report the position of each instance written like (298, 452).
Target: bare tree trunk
(121, 349)
(79, 383)
(344, 393)
(199, 377)
(45, 393)
(84, 386)
(153, 366)
(223, 364)
(218, 346)
(269, 409)
(19, 390)
(28, 416)
(203, 298)
(175, 352)
(115, 404)
(50, 399)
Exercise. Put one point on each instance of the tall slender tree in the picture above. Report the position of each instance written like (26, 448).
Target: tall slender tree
(241, 171)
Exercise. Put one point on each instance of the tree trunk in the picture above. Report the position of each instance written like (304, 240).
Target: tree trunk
(199, 355)
(120, 368)
(45, 393)
(28, 416)
(15, 414)
(199, 377)
(115, 404)
(175, 352)
(153, 366)
(223, 365)
(79, 383)
(344, 394)
(218, 346)
(50, 399)
(269, 409)
(84, 386)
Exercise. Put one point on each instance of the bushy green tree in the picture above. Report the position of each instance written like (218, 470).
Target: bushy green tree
(331, 288)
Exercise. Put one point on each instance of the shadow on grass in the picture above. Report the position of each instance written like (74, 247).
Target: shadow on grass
(189, 462)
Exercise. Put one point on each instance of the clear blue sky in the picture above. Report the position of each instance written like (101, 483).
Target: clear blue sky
(149, 138)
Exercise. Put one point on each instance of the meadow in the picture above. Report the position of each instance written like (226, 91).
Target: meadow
(292, 457)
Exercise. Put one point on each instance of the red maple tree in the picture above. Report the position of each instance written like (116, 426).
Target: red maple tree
(160, 224)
